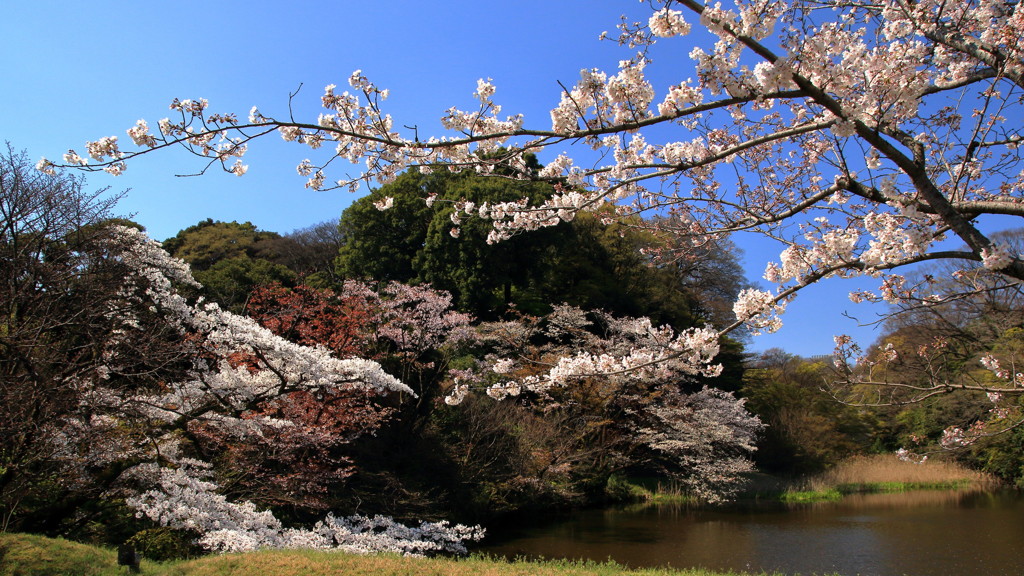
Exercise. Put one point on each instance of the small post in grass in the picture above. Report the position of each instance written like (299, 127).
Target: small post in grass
(128, 556)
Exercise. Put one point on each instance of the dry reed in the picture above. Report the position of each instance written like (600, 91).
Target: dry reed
(881, 469)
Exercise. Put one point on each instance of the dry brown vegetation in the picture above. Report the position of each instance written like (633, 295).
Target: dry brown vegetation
(888, 470)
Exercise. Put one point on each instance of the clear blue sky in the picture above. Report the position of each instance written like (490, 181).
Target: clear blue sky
(77, 71)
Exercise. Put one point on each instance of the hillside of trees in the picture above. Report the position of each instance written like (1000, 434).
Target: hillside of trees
(395, 365)
(232, 383)
(813, 414)
(458, 303)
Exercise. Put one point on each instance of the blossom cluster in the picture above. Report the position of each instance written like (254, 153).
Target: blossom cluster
(993, 365)
(633, 349)
(759, 310)
(997, 257)
(666, 23)
(905, 455)
(184, 500)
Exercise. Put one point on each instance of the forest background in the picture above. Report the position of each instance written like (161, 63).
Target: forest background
(396, 287)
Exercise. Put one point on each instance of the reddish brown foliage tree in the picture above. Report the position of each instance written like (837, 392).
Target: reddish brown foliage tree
(298, 465)
(312, 317)
(301, 464)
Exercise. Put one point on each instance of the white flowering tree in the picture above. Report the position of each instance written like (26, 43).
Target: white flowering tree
(111, 380)
(703, 439)
(238, 366)
(865, 137)
(623, 398)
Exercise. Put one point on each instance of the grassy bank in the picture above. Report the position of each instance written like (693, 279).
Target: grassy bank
(884, 473)
(879, 473)
(646, 490)
(27, 555)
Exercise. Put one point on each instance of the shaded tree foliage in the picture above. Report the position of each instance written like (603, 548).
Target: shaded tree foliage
(403, 468)
(806, 429)
(585, 262)
(309, 252)
(660, 420)
(411, 241)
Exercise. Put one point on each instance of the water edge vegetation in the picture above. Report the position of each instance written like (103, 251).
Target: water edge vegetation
(871, 474)
(885, 473)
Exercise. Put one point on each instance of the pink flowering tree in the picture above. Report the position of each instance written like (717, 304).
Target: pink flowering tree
(865, 138)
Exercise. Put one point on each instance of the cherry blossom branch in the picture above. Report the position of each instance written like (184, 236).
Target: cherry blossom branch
(837, 128)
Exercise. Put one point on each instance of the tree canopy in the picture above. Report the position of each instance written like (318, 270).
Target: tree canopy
(230, 259)
(585, 262)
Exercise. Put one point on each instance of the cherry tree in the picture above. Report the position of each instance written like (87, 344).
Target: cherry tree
(629, 402)
(114, 385)
(254, 387)
(706, 438)
(865, 138)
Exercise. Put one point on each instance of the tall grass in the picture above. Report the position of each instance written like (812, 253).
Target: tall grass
(26, 555)
(647, 491)
(881, 469)
(886, 473)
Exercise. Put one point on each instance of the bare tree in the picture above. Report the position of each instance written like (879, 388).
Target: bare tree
(53, 300)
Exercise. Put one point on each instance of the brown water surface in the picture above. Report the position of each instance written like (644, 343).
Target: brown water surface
(932, 533)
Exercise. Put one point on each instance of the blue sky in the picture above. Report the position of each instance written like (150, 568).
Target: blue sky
(79, 71)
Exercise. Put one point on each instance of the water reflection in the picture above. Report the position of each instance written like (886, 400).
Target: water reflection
(935, 533)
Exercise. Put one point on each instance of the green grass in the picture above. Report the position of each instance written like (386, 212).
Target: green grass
(646, 490)
(811, 496)
(28, 555)
(896, 487)
(837, 493)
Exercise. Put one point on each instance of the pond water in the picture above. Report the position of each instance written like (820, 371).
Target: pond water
(932, 533)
